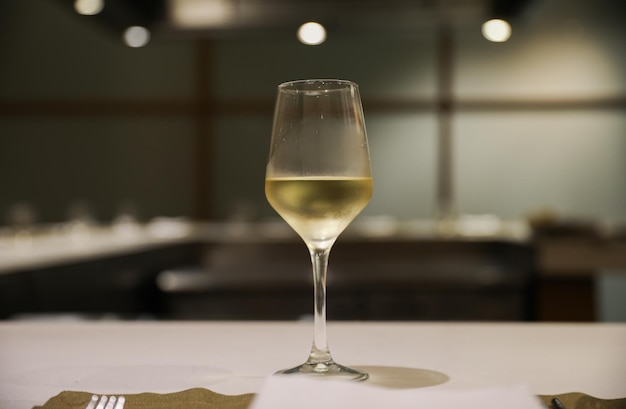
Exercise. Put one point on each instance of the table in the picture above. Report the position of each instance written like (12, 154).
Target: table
(40, 359)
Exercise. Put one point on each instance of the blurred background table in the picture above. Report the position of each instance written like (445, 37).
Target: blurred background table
(246, 271)
(379, 270)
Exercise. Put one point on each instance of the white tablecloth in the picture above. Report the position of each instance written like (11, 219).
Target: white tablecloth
(39, 360)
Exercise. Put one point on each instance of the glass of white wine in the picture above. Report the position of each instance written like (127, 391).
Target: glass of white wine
(318, 180)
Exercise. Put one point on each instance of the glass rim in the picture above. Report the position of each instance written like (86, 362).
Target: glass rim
(317, 85)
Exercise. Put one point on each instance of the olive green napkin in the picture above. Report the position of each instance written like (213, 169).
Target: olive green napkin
(196, 398)
(578, 400)
(199, 398)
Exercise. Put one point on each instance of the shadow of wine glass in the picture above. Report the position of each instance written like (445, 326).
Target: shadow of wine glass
(395, 377)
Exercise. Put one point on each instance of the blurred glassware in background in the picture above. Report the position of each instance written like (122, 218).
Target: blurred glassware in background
(28, 243)
(125, 225)
(375, 226)
(22, 218)
(81, 223)
(169, 227)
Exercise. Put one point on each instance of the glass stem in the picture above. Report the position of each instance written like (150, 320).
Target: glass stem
(320, 352)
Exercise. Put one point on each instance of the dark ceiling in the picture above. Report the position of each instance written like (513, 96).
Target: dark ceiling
(267, 15)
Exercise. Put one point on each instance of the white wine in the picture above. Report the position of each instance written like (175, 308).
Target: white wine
(318, 208)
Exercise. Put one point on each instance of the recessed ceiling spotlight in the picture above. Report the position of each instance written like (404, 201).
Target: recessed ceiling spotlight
(496, 30)
(88, 7)
(136, 36)
(203, 13)
(312, 33)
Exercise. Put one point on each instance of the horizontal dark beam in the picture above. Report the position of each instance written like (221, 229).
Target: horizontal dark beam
(95, 107)
(134, 107)
(539, 104)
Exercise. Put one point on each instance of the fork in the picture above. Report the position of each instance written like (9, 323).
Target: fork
(106, 402)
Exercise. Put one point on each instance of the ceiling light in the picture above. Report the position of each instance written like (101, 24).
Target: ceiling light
(88, 7)
(312, 33)
(136, 36)
(202, 13)
(496, 30)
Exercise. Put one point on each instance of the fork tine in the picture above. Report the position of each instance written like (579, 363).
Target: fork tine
(102, 402)
(111, 402)
(92, 402)
(120, 402)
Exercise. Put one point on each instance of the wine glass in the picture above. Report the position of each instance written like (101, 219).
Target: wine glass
(318, 180)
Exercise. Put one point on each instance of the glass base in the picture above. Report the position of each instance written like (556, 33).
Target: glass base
(326, 370)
